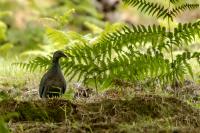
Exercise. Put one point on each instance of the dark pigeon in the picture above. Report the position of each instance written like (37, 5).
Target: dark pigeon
(53, 83)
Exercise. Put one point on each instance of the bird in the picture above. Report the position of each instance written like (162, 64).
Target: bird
(53, 83)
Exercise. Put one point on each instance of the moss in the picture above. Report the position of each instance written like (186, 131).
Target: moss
(40, 110)
(141, 112)
(31, 112)
(7, 105)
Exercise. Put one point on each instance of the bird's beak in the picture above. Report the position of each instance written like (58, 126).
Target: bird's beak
(64, 55)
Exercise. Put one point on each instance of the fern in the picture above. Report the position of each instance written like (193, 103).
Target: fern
(177, 10)
(153, 9)
(57, 36)
(174, 1)
(136, 35)
(135, 54)
(3, 29)
(41, 63)
(186, 33)
(158, 10)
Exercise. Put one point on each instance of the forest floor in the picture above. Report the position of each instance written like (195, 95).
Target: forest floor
(110, 111)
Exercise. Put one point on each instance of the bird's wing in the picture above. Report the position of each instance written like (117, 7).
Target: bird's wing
(42, 85)
(63, 85)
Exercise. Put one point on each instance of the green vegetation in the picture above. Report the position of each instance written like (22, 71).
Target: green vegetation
(134, 54)
(131, 66)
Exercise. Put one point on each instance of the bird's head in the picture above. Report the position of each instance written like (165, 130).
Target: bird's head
(58, 54)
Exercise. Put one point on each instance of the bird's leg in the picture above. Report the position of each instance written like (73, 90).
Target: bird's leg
(44, 94)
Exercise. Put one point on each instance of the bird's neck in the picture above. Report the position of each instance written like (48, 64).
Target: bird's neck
(55, 63)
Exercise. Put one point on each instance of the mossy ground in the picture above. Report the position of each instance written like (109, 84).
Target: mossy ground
(115, 110)
(141, 113)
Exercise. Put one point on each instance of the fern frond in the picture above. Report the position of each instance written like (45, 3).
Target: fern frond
(175, 73)
(177, 10)
(174, 1)
(123, 66)
(57, 36)
(135, 35)
(153, 9)
(41, 63)
(184, 58)
(186, 33)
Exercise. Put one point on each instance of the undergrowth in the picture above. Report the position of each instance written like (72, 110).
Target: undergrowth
(139, 54)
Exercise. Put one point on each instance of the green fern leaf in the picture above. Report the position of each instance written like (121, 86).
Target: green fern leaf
(177, 10)
(56, 36)
(153, 9)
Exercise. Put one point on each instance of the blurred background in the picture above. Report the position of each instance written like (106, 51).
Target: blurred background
(23, 22)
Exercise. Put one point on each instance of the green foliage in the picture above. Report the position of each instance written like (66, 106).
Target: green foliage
(158, 10)
(174, 1)
(5, 117)
(136, 35)
(139, 54)
(150, 8)
(186, 33)
(75, 12)
(5, 48)
(39, 62)
(3, 29)
(3, 127)
(177, 10)
(57, 36)
(28, 37)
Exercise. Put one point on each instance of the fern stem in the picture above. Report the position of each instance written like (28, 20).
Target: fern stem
(171, 47)
(95, 80)
(169, 30)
